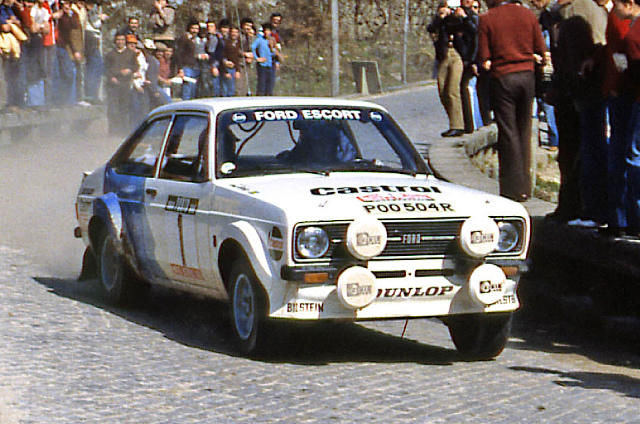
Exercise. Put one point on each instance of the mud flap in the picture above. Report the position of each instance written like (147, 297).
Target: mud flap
(89, 266)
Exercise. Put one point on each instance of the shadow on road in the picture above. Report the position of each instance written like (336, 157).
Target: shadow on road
(626, 385)
(202, 324)
(552, 335)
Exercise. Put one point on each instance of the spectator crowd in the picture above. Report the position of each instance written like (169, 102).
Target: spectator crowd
(52, 53)
(578, 62)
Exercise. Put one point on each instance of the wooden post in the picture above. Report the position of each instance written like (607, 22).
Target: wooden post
(405, 34)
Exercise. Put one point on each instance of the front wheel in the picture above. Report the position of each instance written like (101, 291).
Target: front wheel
(247, 307)
(480, 336)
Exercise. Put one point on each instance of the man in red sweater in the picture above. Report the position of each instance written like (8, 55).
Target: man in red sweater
(509, 40)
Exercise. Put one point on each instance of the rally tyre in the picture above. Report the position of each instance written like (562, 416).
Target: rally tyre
(480, 336)
(119, 285)
(247, 308)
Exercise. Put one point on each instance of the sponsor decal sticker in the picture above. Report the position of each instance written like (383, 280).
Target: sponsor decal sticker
(329, 191)
(355, 289)
(306, 114)
(364, 239)
(507, 299)
(478, 237)
(275, 115)
(276, 244)
(305, 307)
(179, 204)
(329, 114)
(391, 197)
(487, 287)
(185, 271)
(375, 116)
(239, 117)
(414, 291)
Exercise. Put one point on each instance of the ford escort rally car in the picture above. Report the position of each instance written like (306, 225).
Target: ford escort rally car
(304, 209)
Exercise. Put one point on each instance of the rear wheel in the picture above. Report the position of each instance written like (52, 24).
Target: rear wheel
(480, 336)
(119, 283)
(247, 307)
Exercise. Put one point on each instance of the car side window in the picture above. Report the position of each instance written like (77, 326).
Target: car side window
(139, 157)
(185, 157)
(377, 147)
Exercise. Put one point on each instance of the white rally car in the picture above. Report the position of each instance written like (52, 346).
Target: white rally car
(305, 209)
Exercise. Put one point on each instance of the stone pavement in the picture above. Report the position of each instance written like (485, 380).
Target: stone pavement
(66, 357)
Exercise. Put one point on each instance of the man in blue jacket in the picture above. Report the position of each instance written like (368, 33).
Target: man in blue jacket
(264, 58)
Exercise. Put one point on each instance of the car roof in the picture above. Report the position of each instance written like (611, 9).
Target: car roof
(219, 104)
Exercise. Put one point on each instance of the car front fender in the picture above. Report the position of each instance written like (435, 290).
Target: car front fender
(247, 236)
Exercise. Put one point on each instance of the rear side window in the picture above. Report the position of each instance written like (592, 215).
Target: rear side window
(140, 155)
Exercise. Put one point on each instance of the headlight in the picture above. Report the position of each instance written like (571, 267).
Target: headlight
(509, 237)
(312, 242)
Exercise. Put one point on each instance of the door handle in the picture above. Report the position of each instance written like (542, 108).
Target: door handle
(151, 192)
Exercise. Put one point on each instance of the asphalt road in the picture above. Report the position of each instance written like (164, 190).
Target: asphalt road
(66, 357)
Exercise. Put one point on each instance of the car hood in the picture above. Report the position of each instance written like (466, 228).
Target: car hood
(347, 195)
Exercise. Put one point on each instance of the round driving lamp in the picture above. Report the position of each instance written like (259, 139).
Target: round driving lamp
(312, 243)
(479, 236)
(509, 237)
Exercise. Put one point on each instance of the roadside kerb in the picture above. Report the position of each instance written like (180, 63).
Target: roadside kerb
(21, 124)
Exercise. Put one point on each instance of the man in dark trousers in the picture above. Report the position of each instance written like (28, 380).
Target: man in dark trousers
(470, 69)
(508, 38)
(120, 65)
(450, 29)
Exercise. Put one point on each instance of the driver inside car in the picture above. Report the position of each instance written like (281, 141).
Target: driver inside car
(320, 142)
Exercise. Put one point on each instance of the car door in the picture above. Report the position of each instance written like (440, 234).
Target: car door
(178, 201)
(126, 175)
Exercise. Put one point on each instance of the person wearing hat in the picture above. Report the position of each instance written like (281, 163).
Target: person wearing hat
(120, 66)
(156, 97)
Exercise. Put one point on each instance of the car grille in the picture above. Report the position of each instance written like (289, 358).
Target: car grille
(405, 238)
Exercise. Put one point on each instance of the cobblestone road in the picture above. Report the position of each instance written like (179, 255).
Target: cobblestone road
(66, 357)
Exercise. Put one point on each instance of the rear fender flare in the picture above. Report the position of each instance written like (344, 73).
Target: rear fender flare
(107, 209)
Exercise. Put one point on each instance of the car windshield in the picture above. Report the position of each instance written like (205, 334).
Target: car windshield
(312, 139)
